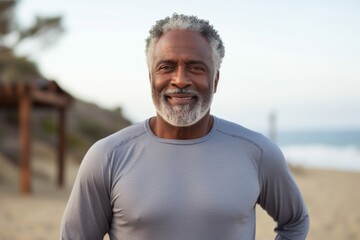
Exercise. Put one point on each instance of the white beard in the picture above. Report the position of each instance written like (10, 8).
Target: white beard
(182, 115)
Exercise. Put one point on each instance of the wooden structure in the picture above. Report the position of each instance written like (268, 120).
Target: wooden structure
(26, 97)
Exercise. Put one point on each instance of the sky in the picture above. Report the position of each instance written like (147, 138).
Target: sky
(298, 59)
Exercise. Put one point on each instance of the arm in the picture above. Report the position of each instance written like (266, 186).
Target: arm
(88, 212)
(281, 197)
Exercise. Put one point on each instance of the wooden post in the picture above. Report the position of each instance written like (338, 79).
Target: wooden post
(62, 146)
(25, 146)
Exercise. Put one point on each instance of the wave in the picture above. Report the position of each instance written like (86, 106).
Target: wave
(324, 156)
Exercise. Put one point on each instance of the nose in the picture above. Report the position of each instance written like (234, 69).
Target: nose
(181, 79)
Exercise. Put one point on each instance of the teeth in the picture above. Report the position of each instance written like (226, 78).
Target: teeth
(181, 100)
(182, 97)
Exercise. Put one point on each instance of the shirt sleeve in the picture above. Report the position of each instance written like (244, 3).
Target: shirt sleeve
(88, 212)
(280, 196)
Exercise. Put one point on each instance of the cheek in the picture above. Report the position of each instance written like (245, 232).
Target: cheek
(158, 83)
(205, 84)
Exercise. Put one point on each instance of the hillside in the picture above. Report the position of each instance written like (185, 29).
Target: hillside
(86, 123)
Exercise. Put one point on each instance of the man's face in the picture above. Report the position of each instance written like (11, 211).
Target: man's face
(183, 79)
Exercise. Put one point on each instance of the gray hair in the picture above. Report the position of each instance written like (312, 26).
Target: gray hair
(185, 22)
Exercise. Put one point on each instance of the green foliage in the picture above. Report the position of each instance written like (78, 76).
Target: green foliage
(22, 65)
(76, 142)
(93, 129)
(13, 68)
(6, 21)
(48, 126)
(44, 30)
(118, 110)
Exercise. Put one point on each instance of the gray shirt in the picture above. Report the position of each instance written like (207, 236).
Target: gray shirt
(136, 186)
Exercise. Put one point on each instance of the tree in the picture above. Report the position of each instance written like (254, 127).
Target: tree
(45, 31)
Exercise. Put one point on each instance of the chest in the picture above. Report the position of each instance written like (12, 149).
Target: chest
(196, 186)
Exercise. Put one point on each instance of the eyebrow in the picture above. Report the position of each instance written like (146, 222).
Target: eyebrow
(195, 62)
(165, 61)
(169, 61)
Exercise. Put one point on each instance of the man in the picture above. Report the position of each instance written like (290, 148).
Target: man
(183, 174)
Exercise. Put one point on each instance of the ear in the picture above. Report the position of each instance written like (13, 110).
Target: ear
(216, 80)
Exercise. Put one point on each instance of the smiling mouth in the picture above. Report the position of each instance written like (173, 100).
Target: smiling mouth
(180, 98)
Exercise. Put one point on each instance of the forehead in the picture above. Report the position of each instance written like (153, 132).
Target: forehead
(182, 44)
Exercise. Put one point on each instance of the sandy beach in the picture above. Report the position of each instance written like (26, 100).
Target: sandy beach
(332, 197)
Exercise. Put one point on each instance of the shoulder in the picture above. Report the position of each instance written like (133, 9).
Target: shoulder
(121, 137)
(268, 149)
(99, 153)
(237, 131)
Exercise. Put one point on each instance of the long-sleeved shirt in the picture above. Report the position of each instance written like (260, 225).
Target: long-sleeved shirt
(134, 185)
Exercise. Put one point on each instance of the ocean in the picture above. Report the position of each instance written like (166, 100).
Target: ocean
(335, 149)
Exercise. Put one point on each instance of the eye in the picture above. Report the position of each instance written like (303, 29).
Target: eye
(197, 68)
(166, 68)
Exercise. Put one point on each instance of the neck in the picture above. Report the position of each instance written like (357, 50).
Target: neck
(163, 129)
